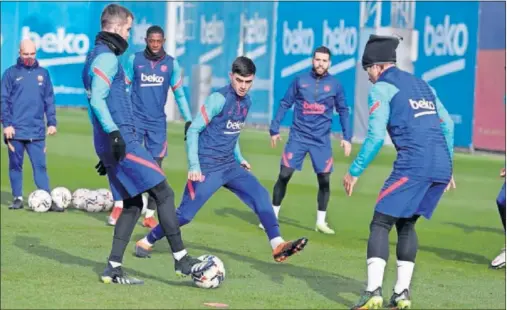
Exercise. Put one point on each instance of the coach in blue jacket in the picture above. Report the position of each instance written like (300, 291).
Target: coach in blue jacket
(26, 96)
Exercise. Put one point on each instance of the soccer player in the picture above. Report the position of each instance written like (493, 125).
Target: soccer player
(26, 97)
(215, 160)
(422, 133)
(131, 170)
(499, 261)
(151, 73)
(314, 95)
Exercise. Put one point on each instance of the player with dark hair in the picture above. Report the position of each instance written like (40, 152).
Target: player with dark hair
(499, 261)
(423, 134)
(314, 95)
(151, 73)
(131, 170)
(215, 161)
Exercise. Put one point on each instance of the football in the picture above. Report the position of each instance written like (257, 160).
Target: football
(79, 198)
(61, 196)
(108, 199)
(39, 201)
(213, 277)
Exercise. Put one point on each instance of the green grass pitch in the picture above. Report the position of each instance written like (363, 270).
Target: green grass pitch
(53, 260)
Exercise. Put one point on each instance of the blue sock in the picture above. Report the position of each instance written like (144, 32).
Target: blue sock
(155, 234)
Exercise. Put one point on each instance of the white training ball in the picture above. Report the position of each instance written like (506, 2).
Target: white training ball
(39, 201)
(61, 196)
(214, 276)
(94, 202)
(79, 198)
(107, 199)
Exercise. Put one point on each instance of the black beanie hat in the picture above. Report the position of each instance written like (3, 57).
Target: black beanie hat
(380, 49)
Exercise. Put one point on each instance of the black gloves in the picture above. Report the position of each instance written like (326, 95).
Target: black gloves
(187, 125)
(118, 147)
(101, 170)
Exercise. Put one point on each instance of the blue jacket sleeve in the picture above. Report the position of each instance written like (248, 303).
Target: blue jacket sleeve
(103, 70)
(49, 102)
(179, 94)
(286, 103)
(211, 107)
(129, 69)
(237, 153)
(446, 124)
(378, 103)
(343, 110)
(5, 99)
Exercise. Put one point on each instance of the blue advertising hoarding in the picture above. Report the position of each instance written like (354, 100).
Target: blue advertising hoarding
(447, 58)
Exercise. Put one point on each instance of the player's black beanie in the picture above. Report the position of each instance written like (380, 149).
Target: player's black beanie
(380, 49)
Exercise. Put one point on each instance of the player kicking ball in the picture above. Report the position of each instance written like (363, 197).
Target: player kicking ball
(423, 134)
(131, 170)
(215, 161)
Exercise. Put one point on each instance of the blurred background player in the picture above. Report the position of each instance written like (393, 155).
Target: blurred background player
(215, 160)
(26, 97)
(499, 261)
(151, 73)
(314, 95)
(130, 168)
(423, 134)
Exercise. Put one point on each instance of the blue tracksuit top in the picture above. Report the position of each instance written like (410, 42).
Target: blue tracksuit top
(26, 96)
(213, 137)
(110, 108)
(314, 98)
(418, 124)
(150, 83)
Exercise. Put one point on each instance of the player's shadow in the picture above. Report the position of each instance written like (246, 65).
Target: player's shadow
(470, 229)
(33, 246)
(330, 285)
(452, 255)
(250, 217)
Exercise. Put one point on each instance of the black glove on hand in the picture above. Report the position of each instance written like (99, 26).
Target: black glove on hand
(118, 147)
(101, 170)
(187, 125)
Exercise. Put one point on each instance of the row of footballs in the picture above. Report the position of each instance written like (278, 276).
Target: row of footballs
(83, 199)
(99, 200)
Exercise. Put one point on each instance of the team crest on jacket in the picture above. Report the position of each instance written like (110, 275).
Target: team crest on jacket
(327, 88)
(163, 68)
(40, 78)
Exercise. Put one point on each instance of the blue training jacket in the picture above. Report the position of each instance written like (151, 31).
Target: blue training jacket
(419, 126)
(110, 108)
(150, 82)
(26, 96)
(314, 98)
(213, 137)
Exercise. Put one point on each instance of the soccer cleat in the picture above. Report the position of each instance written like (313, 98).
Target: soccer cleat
(499, 261)
(191, 266)
(400, 301)
(324, 228)
(370, 300)
(289, 248)
(55, 208)
(117, 276)
(115, 214)
(16, 204)
(150, 222)
(142, 249)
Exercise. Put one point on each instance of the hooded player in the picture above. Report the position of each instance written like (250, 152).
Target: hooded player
(423, 134)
